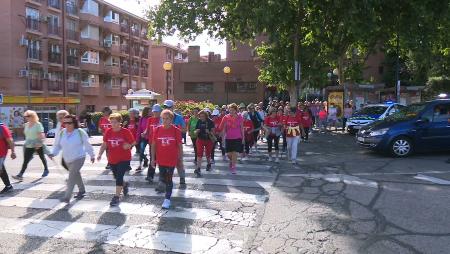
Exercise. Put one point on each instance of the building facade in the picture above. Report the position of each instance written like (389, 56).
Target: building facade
(76, 54)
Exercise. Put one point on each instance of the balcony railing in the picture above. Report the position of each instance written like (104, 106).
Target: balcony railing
(135, 71)
(135, 32)
(54, 30)
(72, 9)
(73, 61)
(144, 72)
(33, 24)
(72, 35)
(144, 54)
(124, 28)
(34, 54)
(54, 57)
(124, 49)
(54, 4)
(73, 87)
(55, 85)
(124, 69)
(36, 84)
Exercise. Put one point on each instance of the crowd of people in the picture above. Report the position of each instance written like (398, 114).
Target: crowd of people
(233, 129)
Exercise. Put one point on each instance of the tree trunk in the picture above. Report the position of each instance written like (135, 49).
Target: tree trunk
(293, 95)
(341, 70)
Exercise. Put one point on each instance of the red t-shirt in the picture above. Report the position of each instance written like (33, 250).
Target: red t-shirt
(306, 119)
(167, 142)
(217, 121)
(292, 121)
(248, 126)
(152, 123)
(270, 121)
(4, 135)
(133, 129)
(104, 124)
(115, 141)
(323, 114)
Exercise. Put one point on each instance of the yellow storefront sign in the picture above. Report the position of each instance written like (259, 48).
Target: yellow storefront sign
(40, 100)
(337, 99)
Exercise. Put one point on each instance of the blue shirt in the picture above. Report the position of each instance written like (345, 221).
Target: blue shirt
(178, 120)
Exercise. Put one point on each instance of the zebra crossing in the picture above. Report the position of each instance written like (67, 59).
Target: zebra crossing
(218, 213)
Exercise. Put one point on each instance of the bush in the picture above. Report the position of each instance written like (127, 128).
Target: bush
(187, 106)
(435, 86)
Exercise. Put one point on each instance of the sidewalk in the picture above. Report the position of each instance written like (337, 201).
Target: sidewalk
(94, 140)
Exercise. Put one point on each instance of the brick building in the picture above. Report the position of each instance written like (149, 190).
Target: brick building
(78, 54)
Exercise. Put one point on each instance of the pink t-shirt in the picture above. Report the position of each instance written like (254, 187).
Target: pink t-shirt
(232, 126)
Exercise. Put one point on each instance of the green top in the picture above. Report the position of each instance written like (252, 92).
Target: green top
(192, 125)
(32, 134)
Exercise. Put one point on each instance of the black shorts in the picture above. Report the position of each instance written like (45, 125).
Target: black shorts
(233, 145)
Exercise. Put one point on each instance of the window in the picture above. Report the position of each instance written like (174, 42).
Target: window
(133, 84)
(89, 80)
(73, 77)
(441, 113)
(32, 13)
(112, 16)
(115, 39)
(72, 52)
(55, 76)
(112, 83)
(91, 7)
(54, 49)
(91, 57)
(112, 61)
(90, 32)
(198, 87)
(143, 85)
(54, 4)
(72, 25)
(242, 87)
(72, 7)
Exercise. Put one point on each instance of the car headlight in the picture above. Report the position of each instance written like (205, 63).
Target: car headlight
(379, 132)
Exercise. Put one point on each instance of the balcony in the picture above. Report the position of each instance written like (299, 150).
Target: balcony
(34, 2)
(124, 69)
(54, 30)
(55, 4)
(144, 54)
(124, 49)
(73, 87)
(73, 61)
(135, 33)
(144, 72)
(135, 71)
(91, 43)
(72, 9)
(33, 24)
(92, 68)
(36, 84)
(72, 35)
(90, 90)
(34, 55)
(88, 18)
(111, 26)
(55, 86)
(112, 69)
(124, 28)
(54, 58)
(112, 91)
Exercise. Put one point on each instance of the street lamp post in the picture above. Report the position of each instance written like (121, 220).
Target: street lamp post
(167, 66)
(226, 71)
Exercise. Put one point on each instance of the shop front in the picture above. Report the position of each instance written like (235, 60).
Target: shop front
(142, 98)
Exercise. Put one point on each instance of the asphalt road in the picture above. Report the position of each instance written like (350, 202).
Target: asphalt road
(339, 199)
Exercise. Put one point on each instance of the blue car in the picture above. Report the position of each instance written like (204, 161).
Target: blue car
(420, 127)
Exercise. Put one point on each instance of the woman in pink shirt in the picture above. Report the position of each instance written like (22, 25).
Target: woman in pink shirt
(232, 127)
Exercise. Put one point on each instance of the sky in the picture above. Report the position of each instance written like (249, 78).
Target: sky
(206, 44)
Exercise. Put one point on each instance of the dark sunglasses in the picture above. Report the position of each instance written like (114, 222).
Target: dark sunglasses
(68, 122)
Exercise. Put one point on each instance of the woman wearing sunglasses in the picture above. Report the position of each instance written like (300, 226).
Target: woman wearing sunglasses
(74, 144)
(34, 142)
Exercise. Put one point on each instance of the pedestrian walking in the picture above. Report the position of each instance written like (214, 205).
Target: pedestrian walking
(348, 112)
(282, 113)
(306, 122)
(294, 129)
(232, 127)
(132, 124)
(323, 115)
(191, 126)
(34, 143)
(272, 126)
(143, 138)
(104, 124)
(166, 152)
(332, 116)
(118, 141)
(152, 123)
(249, 131)
(178, 121)
(205, 139)
(257, 121)
(6, 142)
(74, 144)
(217, 119)
(59, 127)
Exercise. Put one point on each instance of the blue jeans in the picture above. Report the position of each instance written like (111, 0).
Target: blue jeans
(142, 145)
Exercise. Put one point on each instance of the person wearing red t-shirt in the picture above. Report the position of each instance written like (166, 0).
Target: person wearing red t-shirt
(294, 129)
(119, 142)
(272, 126)
(104, 123)
(306, 122)
(203, 129)
(153, 122)
(166, 150)
(132, 125)
(217, 119)
(6, 142)
(249, 130)
(323, 114)
(282, 116)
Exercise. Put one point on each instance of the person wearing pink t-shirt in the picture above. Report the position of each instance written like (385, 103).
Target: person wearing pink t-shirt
(232, 127)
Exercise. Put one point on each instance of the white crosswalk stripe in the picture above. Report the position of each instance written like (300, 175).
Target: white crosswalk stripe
(230, 205)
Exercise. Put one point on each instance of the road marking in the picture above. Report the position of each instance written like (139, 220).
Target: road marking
(150, 192)
(432, 179)
(191, 180)
(335, 178)
(208, 215)
(142, 236)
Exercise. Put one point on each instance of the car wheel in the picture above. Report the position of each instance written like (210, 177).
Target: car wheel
(401, 147)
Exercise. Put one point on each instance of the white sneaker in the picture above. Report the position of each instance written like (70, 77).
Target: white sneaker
(166, 204)
(277, 160)
(293, 162)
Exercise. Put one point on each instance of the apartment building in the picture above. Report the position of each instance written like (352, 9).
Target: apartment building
(77, 54)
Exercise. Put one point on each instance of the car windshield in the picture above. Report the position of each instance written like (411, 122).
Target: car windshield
(406, 113)
(372, 110)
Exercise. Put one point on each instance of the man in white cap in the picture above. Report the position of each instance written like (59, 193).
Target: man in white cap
(178, 121)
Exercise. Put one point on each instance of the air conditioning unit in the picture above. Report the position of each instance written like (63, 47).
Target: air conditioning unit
(23, 41)
(23, 73)
(47, 75)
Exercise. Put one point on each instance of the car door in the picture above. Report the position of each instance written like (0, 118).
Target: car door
(436, 135)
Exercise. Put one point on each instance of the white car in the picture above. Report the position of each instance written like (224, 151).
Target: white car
(369, 114)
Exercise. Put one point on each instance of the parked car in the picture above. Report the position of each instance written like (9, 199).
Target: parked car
(419, 127)
(369, 114)
(51, 133)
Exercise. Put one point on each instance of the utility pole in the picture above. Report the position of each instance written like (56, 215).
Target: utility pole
(397, 69)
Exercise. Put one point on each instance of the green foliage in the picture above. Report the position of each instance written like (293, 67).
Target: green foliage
(187, 106)
(436, 86)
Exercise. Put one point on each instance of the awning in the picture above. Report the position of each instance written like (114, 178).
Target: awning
(142, 94)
